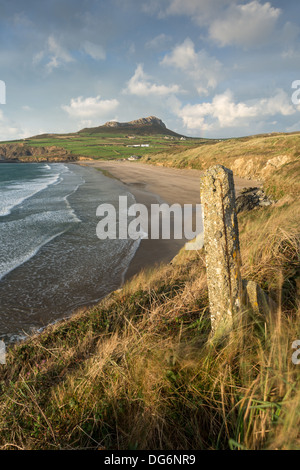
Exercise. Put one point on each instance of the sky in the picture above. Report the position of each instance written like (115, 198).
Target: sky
(207, 68)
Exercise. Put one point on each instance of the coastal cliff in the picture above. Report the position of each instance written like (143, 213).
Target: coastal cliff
(20, 152)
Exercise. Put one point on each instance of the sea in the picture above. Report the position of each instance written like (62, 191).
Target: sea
(51, 260)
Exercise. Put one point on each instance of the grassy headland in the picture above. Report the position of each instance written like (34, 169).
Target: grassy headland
(136, 371)
(272, 158)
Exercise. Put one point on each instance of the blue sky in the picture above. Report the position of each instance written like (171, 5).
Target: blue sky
(209, 68)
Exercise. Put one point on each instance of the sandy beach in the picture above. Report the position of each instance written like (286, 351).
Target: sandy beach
(155, 184)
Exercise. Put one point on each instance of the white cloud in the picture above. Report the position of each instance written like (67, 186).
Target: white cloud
(54, 54)
(224, 112)
(58, 55)
(158, 42)
(84, 123)
(140, 84)
(90, 107)
(10, 130)
(95, 51)
(230, 22)
(245, 25)
(183, 56)
(204, 69)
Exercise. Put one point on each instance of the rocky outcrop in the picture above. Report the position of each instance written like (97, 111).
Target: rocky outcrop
(148, 121)
(273, 164)
(23, 153)
(257, 167)
(250, 198)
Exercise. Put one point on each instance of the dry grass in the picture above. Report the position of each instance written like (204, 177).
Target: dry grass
(272, 259)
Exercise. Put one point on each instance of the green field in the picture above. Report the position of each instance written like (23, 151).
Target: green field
(103, 146)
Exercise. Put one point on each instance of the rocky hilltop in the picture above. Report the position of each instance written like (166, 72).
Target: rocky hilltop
(148, 121)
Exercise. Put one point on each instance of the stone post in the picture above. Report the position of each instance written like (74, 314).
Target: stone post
(222, 250)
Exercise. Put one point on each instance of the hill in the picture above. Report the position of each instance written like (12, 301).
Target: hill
(143, 127)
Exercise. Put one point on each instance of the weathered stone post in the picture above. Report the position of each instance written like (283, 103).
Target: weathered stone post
(222, 250)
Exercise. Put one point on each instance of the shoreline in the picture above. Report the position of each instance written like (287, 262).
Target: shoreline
(64, 267)
(151, 184)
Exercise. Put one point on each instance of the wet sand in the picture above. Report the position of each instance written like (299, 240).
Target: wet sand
(155, 184)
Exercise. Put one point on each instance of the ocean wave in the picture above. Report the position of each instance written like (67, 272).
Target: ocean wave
(7, 267)
(22, 239)
(14, 194)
